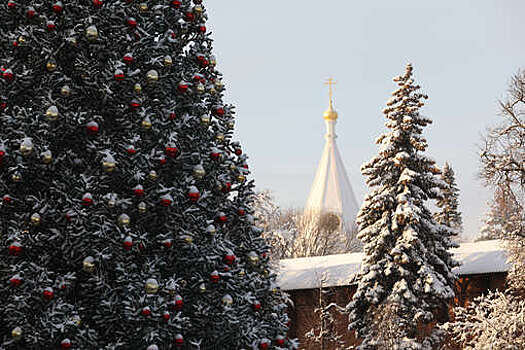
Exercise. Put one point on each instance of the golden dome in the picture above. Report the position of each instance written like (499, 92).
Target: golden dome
(330, 113)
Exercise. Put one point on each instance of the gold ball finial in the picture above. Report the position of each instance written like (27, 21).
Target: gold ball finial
(330, 113)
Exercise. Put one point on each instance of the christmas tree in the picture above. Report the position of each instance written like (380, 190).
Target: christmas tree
(448, 202)
(407, 264)
(125, 215)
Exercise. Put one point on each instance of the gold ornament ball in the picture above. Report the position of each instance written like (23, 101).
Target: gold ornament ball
(36, 219)
(108, 166)
(47, 157)
(26, 148)
(202, 288)
(16, 177)
(112, 203)
(253, 258)
(168, 61)
(21, 39)
(198, 9)
(91, 33)
(242, 273)
(153, 176)
(137, 88)
(187, 239)
(146, 123)
(143, 7)
(88, 265)
(73, 41)
(51, 66)
(142, 207)
(200, 88)
(231, 124)
(219, 85)
(213, 61)
(198, 171)
(241, 178)
(151, 286)
(17, 333)
(65, 91)
(213, 91)
(227, 300)
(152, 76)
(205, 120)
(52, 113)
(77, 321)
(124, 220)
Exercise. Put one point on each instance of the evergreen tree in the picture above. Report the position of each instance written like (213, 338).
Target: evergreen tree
(125, 215)
(407, 264)
(448, 202)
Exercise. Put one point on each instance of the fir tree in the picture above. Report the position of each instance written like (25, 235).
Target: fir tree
(448, 203)
(407, 264)
(125, 215)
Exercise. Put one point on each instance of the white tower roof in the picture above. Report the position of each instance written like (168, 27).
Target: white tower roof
(331, 191)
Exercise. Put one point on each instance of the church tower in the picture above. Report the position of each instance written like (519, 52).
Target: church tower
(331, 195)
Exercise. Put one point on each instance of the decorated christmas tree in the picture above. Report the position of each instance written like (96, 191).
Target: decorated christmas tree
(125, 215)
(448, 201)
(407, 264)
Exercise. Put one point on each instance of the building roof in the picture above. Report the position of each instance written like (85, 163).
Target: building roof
(340, 270)
(331, 191)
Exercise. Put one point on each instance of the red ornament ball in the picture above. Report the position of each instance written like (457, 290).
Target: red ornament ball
(173, 116)
(194, 194)
(138, 191)
(6, 198)
(202, 29)
(238, 151)
(11, 5)
(171, 151)
(280, 340)
(48, 293)
(183, 87)
(179, 302)
(132, 22)
(87, 200)
(58, 7)
(215, 277)
(15, 281)
(219, 111)
(128, 243)
(97, 3)
(65, 344)
(241, 212)
(31, 12)
(222, 218)
(15, 249)
(179, 340)
(163, 160)
(131, 150)
(92, 128)
(264, 344)
(256, 305)
(227, 187)
(167, 243)
(166, 315)
(135, 103)
(229, 259)
(128, 58)
(166, 200)
(8, 75)
(146, 311)
(176, 3)
(119, 75)
(189, 17)
(51, 25)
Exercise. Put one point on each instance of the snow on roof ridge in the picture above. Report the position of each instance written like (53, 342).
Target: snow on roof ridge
(340, 269)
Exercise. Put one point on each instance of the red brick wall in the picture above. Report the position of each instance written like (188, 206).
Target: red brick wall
(307, 300)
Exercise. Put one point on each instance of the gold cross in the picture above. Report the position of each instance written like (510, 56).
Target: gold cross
(330, 82)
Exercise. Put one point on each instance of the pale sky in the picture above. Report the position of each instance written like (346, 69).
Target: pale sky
(276, 54)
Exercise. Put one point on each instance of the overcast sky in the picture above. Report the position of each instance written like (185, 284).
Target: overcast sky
(275, 55)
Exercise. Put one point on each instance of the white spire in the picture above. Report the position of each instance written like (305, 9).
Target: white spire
(331, 191)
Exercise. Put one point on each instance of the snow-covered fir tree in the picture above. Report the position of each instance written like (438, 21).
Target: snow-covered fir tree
(502, 217)
(125, 213)
(448, 201)
(407, 263)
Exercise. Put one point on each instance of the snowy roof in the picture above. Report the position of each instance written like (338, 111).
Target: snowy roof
(331, 190)
(340, 269)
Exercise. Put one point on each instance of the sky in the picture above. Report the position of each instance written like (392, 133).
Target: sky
(276, 54)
